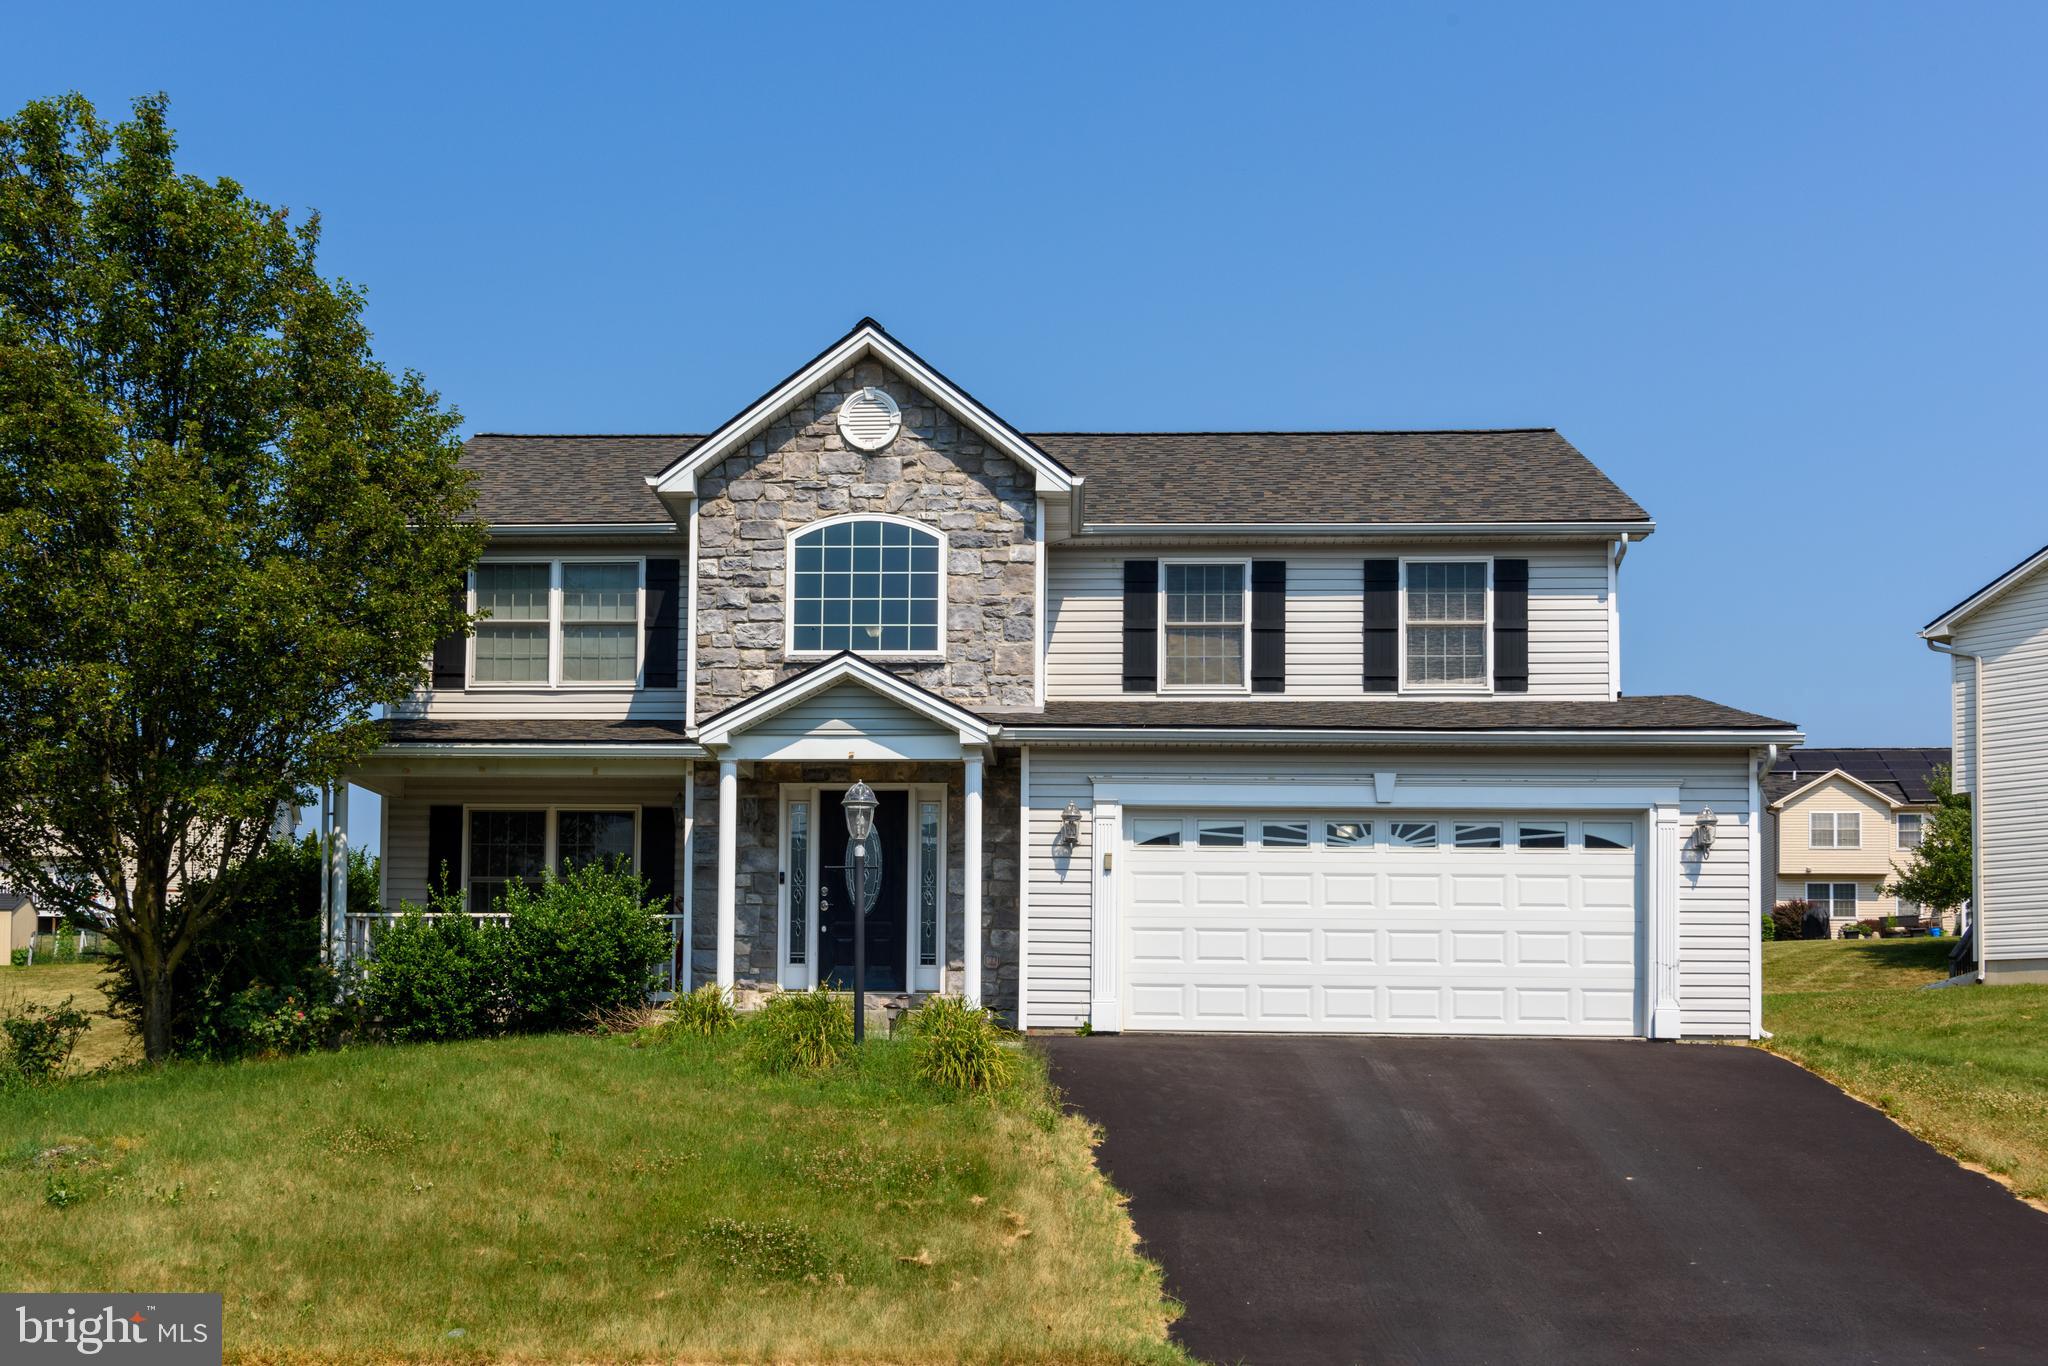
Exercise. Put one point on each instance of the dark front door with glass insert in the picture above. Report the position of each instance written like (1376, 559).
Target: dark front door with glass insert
(888, 921)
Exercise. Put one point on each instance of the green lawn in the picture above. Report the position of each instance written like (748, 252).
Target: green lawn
(582, 1198)
(1965, 1068)
(108, 1041)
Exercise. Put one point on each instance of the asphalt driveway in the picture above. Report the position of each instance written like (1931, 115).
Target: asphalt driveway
(1459, 1200)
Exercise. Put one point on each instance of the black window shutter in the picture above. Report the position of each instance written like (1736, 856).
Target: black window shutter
(451, 653)
(1382, 625)
(1141, 626)
(658, 854)
(1511, 626)
(664, 621)
(444, 849)
(1269, 626)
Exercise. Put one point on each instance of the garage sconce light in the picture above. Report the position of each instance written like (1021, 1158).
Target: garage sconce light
(1070, 828)
(1703, 829)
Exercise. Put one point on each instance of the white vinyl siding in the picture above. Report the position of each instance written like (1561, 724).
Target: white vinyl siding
(1716, 928)
(2011, 634)
(850, 710)
(1568, 618)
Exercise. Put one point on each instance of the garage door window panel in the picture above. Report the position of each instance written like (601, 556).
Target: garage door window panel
(1412, 834)
(1347, 834)
(1610, 835)
(1155, 833)
(1543, 834)
(1284, 834)
(1476, 834)
(1220, 834)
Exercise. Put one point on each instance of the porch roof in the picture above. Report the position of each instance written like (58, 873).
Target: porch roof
(845, 708)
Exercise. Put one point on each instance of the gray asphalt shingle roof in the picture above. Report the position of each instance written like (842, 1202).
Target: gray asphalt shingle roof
(1368, 478)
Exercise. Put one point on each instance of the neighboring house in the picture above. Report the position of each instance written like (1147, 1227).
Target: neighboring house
(1997, 640)
(1315, 731)
(17, 923)
(1837, 822)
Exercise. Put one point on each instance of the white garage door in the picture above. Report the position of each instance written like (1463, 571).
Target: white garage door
(1417, 924)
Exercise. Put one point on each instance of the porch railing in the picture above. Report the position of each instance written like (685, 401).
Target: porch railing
(674, 968)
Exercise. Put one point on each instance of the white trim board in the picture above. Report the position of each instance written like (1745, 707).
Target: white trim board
(722, 729)
(867, 340)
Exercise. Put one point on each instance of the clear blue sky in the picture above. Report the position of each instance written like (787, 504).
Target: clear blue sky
(1778, 269)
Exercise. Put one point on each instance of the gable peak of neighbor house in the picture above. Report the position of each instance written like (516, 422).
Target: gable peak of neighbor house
(867, 343)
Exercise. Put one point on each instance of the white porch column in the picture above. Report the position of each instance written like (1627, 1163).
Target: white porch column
(970, 858)
(728, 865)
(688, 976)
(337, 876)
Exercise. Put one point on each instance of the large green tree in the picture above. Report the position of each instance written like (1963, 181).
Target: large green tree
(1937, 872)
(226, 531)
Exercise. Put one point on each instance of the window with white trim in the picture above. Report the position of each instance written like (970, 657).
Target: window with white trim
(1838, 899)
(1283, 834)
(1444, 624)
(1610, 834)
(1412, 834)
(865, 584)
(1204, 625)
(512, 637)
(1834, 830)
(1542, 834)
(557, 623)
(1219, 834)
(600, 837)
(1476, 834)
(1912, 829)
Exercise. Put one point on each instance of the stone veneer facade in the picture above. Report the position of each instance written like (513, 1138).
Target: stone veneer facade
(757, 951)
(801, 471)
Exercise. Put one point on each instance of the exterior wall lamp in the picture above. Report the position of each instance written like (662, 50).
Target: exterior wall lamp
(1070, 828)
(859, 805)
(1703, 829)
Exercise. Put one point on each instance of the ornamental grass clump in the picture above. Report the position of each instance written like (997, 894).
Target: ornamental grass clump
(959, 1047)
(801, 1031)
(702, 1014)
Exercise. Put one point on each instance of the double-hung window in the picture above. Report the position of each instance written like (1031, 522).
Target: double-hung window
(1912, 829)
(1444, 625)
(516, 846)
(1205, 625)
(1834, 830)
(558, 623)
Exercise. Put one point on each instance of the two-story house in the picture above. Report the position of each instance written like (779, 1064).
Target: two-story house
(1254, 731)
(1997, 643)
(1838, 822)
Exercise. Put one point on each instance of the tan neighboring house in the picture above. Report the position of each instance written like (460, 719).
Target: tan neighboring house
(1997, 643)
(1839, 819)
(17, 923)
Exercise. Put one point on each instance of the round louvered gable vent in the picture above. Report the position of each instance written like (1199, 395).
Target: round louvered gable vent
(869, 419)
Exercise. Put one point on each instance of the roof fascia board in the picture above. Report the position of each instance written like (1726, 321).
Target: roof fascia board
(1025, 733)
(720, 729)
(1376, 530)
(1846, 777)
(1943, 626)
(864, 341)
(583, 528)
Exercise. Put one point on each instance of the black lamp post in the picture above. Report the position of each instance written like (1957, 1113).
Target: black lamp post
(859, 805)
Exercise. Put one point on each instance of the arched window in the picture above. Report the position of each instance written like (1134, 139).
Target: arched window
(868, 584)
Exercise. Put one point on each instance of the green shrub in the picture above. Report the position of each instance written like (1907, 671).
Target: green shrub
(19, 958)
(801, 1031)
(1769, 931)
(585, 943)
(959, 1046)
(433, 975)
(703, 1013)
(40, 1038)
(265, 948)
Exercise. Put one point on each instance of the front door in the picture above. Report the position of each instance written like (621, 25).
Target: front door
(888, 922)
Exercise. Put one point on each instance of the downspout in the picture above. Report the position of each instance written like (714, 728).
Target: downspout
(1976, 792)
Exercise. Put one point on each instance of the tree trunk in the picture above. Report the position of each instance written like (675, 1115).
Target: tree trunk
(154, 983)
